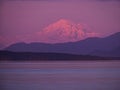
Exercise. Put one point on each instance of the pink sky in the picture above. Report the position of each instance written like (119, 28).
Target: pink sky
(19, 19)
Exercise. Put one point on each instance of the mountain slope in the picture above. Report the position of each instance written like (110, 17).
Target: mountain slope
(90, 46)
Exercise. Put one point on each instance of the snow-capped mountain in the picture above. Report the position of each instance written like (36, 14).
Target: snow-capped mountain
(64, 31)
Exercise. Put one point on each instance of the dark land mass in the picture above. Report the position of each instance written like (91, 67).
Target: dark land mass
(39, 56)
(103, 47)
(95, 48)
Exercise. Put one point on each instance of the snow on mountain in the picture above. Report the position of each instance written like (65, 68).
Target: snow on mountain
(64, 31)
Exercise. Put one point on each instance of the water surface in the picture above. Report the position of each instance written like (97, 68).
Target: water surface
(60, 75)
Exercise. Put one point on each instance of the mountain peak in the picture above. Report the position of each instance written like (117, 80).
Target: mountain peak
(64, 21)
(60, 24)
(64, 30)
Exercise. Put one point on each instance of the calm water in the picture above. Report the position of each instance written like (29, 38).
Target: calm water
(94, 75)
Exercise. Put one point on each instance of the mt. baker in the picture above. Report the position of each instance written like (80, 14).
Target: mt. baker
(63, 31)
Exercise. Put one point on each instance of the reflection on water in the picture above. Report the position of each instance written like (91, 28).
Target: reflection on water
(94, 75)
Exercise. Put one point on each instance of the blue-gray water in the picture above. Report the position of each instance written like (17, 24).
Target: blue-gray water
(92, 75)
